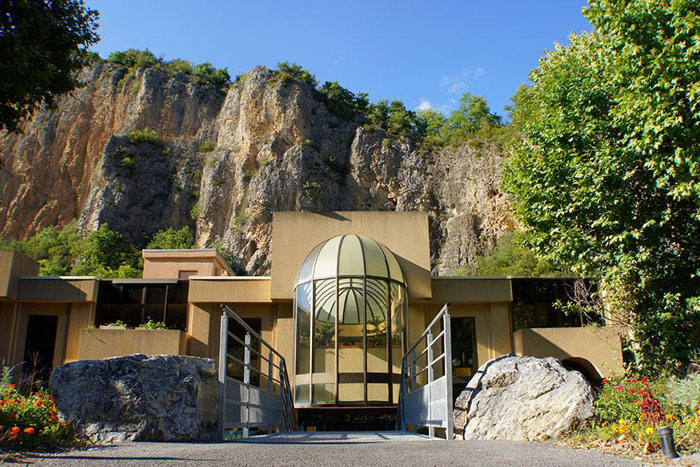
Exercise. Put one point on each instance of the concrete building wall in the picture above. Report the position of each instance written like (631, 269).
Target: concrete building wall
(14, 265)
(103, 343)
(181, 264)
(600, 346)
(295, 234)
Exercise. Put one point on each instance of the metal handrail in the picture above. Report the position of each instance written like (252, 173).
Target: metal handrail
(416, 404)
(248, 329)
(285, 394)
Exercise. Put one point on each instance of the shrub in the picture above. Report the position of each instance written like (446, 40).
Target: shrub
(209, 77)
(179, 66)
(171, 239)
(147, 135)
(684, 394)
(127, 163)
(150, 324)
(207, 145)
(286, 71)
(195, 211)
(134, 58)
(118, 324)
(30, 421)
(631, 400)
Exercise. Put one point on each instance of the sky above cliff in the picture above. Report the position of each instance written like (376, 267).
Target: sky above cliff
(425, 53)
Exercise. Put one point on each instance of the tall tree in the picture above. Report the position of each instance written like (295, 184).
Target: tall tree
(606, 176)
(42, 44)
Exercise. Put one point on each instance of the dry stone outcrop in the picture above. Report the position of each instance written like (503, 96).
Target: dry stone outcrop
(522, 398)
(225, 160)
(140, 397)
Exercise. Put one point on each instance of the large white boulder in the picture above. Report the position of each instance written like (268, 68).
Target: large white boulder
(522, 398)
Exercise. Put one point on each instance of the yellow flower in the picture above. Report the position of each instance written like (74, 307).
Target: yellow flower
(622, 421)
(670, 416)
(615, 426)
(650, 431)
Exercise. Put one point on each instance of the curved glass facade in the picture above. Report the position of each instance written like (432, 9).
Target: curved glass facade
(350, 303)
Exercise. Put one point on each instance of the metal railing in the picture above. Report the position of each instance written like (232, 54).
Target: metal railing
(425, 397)
(262, 396)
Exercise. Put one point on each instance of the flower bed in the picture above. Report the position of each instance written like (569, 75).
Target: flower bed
(630, 411)
(30, 421)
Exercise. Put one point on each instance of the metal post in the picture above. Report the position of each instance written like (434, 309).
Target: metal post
(447, 337)
(413, 383)
(223, 350)
(269, 372)
(246, 381)
(429, 339)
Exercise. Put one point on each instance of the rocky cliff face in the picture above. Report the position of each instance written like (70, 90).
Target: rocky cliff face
(224, 161)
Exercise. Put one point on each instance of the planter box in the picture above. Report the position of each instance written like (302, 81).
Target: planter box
(115, 342)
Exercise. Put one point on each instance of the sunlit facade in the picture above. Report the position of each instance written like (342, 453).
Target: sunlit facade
(350, 304)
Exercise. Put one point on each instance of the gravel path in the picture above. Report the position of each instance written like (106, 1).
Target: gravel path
(334, 449)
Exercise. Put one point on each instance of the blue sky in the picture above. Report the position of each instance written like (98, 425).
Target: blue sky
(425, 53)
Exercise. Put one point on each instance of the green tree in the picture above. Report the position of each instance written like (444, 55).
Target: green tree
(286, 71)
(107, 253)
(42, 46)
(606, 173)
(433, 127)
(340, 101)
(171, 239)
(472, 115)
(510, 258)
(134, 58)
(207, 76)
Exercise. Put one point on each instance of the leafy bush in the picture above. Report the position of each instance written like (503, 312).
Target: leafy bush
(628, 399)
(147, 135)
(207, 145)
(30, 421)
(205, 74)
(629, 412)
(209, 77)
(286, 71)
(171, 239)
(179, 66)
(509, 258)
(118, 324)
(134, 58)
(342, 102)
(150, 324)
(684, 394)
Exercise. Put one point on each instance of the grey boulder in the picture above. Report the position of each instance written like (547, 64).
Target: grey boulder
(139, 397)
(522, 398)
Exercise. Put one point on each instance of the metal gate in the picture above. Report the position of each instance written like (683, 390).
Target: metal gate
(425, 398)
(260, 396)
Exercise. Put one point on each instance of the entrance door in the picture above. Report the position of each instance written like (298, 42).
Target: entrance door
(464, 361)
(39, 345)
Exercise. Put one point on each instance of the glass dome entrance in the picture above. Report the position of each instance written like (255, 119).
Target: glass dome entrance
(350, 304)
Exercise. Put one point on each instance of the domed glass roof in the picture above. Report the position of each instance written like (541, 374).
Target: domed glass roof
(350, 255)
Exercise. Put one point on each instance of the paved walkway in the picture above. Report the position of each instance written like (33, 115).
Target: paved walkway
(332, 449)
(337, 437)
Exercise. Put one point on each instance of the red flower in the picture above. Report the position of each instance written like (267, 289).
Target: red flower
(632, 391)
(14, 432)
(29, 431)
(644, 380)
(38, 403)
(619, 388)
(605, 381)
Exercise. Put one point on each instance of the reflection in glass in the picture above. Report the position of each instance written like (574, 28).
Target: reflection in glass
(351, 292)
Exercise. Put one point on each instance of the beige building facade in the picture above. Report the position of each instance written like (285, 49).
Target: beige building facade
(347, 293)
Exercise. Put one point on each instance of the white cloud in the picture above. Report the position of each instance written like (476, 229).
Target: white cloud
(424, 104)
(457, 82)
